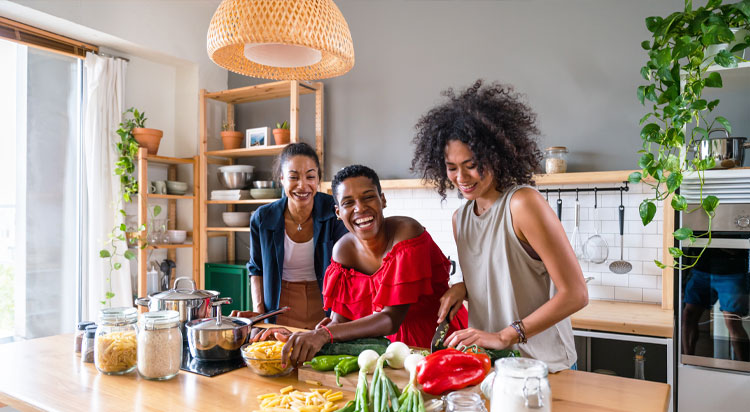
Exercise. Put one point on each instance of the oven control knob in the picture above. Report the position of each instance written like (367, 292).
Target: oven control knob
(743, 221)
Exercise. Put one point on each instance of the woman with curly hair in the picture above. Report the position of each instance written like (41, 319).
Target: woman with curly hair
(521, 277)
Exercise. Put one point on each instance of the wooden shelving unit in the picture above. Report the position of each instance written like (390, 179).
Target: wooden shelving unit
(267, 91)
(143, 182)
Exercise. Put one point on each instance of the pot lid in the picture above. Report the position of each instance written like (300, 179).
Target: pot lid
(185, 294)
(223, 323)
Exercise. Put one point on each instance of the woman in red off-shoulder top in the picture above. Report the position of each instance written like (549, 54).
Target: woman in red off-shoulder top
(386, 276)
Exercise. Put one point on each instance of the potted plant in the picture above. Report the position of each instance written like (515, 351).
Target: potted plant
(148, 138)
(229, 137)
(281, 133)
(681, 52)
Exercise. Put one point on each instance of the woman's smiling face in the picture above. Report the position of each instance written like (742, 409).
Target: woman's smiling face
(360, 206)
(463, 171)
(299, 176)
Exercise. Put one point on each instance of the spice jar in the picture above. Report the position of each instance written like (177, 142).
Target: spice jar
(87, 344)
(116, 341)
(159, 345)
(79, 335)
(463, 402)
(555, 159)
(520, 385)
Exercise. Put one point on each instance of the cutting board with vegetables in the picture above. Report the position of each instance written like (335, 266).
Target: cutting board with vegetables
(310, 376)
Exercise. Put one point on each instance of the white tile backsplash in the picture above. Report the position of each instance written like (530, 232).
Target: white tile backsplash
(641, 244)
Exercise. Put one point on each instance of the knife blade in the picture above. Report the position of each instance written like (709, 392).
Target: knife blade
(440, 334)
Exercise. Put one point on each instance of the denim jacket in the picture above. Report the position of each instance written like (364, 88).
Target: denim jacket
(267, 244)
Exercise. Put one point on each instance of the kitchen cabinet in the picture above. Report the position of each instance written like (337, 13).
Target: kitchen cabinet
(231, 280)
(291, 89)
(192, 242)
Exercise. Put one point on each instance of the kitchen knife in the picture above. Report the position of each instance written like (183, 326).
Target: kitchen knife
(440, 334)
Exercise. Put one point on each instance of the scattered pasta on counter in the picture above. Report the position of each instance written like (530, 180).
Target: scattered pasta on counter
(289, 399)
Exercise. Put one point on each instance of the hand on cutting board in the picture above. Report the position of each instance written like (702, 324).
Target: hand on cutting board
(302, 346)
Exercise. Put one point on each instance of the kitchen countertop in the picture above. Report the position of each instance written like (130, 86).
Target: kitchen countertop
(45, 374)
(625, 317)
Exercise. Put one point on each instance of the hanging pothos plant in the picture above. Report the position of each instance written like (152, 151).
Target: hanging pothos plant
(678, 70)
(127, 151)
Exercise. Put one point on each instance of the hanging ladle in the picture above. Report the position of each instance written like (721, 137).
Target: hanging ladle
(621, 266)
(559, 205)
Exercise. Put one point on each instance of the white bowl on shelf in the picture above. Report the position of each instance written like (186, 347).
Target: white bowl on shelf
(236, 219)
(176, 236)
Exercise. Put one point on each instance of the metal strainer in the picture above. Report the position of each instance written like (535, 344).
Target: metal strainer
(596, 249)
(621, 266)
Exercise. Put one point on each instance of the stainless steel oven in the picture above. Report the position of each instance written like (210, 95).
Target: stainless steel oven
(714, 297)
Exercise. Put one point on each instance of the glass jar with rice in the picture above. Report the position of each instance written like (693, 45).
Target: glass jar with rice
(159, 345)
(115, 344)
(555, 159)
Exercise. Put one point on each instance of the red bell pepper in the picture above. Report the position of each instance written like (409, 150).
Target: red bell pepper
(450, 369)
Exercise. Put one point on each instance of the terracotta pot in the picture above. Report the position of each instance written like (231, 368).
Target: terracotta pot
(281, 136)
(148, 138)
(231, 139)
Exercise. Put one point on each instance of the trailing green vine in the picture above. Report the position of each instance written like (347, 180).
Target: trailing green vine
(677, 72)
(127, 151)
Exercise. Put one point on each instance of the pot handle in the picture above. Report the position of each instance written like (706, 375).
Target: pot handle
(718, 129)
(746, 145)
(143, 301)
(192, 282)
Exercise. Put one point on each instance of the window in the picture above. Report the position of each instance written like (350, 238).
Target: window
(40, 168)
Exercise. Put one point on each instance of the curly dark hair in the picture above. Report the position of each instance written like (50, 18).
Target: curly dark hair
(295, 149)
(493, 121)
(353, 171)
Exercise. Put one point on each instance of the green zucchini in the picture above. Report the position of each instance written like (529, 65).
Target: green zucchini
(355, 347)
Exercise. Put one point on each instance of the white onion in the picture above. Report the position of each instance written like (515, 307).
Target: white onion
(367, 360)
(396, 354)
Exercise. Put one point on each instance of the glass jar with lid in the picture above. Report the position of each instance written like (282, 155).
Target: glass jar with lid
(555, 159)
(520, 384)
(159, 345)
(80, 335)
(115, 345)
(461, 401)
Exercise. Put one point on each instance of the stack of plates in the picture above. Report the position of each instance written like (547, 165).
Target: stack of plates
(728, 185)
(235, 194)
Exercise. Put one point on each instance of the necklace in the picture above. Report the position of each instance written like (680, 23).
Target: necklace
(299, 224)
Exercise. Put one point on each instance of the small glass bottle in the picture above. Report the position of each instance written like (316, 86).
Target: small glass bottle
(87, 344)
(463, 402)
(159, 345)
(640, 362)
(115, 346)
(79, 335)
(555, 159)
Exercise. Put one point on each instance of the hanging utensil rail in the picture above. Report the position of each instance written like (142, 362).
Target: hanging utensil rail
(586, 189)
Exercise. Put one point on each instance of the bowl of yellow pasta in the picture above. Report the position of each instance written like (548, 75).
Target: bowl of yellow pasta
(264, 358)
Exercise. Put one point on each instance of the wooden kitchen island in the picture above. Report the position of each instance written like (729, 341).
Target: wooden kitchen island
(45, 374)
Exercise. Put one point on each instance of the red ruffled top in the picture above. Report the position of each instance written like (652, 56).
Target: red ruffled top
(414, 272)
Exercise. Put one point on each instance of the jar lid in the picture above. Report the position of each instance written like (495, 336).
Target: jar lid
(224, 323)
(91, 331)
(118, 316)
(556, 149)
(521, 368)
(160, 319)
(185, 294)
(82, 325)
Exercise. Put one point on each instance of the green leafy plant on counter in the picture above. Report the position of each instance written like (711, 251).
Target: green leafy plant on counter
(283, 125)
(127, 152)
(677, 72)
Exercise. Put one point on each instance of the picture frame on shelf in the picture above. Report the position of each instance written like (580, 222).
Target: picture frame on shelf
(256, 137)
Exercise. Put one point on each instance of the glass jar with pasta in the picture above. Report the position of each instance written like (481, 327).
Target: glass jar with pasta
(115, 345)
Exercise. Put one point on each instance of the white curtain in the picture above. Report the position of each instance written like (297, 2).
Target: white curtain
(102, 113)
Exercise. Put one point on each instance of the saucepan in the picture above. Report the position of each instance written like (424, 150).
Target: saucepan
(727, 152)
(220, 338)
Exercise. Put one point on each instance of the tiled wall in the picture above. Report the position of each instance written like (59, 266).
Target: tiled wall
(641, 244)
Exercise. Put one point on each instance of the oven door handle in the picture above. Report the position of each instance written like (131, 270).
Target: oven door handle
(718, 243)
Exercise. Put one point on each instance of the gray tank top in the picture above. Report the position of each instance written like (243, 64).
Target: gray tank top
(504, 283)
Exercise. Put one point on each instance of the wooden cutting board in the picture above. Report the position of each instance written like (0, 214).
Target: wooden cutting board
(349, 382)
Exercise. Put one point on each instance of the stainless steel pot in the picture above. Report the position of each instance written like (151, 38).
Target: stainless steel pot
(220, 338)
(190, 303)
(727, 152)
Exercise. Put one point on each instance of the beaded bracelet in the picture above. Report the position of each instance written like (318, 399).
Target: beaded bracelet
(520, 330)
(329, 332)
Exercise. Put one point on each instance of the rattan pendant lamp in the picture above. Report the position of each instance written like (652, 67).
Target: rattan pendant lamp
(281, 39)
